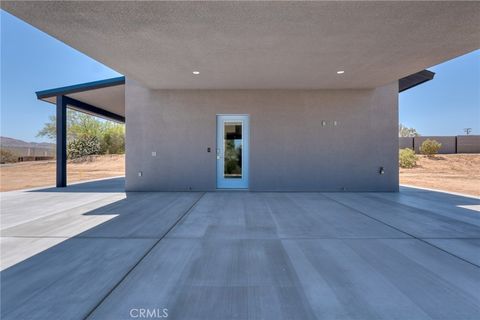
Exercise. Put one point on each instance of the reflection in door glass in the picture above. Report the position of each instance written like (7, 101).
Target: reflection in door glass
(233, 150)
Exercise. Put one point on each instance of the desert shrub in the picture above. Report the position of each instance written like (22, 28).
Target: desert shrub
(83, 146)
(113, 139)
(430, 147)
(407, 158)
(7, 156)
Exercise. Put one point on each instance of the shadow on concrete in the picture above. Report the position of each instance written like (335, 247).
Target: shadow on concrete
(69, 278)
(71, 275)
(98, 186)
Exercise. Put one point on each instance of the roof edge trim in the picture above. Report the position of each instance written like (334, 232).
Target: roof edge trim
(80, 87)
(415, 79)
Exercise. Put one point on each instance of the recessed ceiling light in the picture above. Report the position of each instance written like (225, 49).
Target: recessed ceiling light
(340, 72)
(196, 72)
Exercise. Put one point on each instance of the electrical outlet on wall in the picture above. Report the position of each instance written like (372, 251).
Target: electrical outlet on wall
(154, 153)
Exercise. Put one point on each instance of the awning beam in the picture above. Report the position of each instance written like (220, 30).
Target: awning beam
(95, 111)
(61, 142)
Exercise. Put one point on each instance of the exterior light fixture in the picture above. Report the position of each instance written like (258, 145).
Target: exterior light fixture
(196, 72)
(381, 171)
(340, 72)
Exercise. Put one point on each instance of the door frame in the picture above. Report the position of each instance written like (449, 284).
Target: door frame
(245, 119)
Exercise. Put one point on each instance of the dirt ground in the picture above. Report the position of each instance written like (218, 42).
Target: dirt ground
(453, 172)
(33, 174)
(449, 172)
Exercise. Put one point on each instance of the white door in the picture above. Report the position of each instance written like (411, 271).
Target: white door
(232, 151)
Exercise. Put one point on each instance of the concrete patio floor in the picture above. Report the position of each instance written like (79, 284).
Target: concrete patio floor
(92, 251)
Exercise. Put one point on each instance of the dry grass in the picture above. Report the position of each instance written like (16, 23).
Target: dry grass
(449, 172)
(32, 174)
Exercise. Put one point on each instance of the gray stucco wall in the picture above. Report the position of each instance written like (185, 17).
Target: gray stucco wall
(289, 149)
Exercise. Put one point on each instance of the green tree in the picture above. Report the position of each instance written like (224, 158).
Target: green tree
(78, 124)
(404, 131)
(81, 126)
(49, 129)
(113, 139)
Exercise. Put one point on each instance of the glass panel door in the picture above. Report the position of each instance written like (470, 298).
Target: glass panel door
(232, 151)
(232, 137)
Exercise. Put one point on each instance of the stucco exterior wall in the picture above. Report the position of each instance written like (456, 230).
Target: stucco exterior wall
(289, 148)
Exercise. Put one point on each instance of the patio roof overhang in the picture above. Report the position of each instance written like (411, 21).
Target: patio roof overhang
(414, 80)
(104, 98)
(260, 44)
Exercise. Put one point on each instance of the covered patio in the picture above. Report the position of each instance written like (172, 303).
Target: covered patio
(103, 98)
(93, 251)
(106, 99)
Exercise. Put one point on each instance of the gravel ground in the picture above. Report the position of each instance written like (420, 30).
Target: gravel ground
(33, 174)
(449, 172)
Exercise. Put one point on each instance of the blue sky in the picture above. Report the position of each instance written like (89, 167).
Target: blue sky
(31, 61)
(447, 104)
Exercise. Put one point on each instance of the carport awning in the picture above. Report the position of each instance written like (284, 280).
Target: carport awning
(104, 98)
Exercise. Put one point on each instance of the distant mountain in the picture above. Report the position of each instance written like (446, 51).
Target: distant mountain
(6, 142)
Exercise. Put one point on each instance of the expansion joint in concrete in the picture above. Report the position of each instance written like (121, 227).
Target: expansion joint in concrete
(144, 256)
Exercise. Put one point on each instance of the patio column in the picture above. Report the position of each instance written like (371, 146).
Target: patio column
(61, 141)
